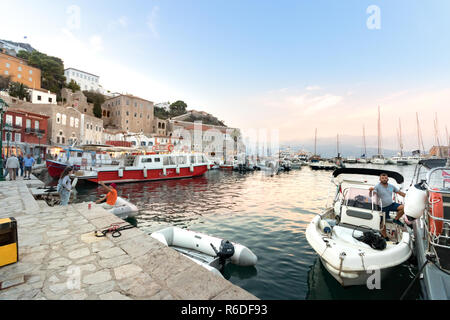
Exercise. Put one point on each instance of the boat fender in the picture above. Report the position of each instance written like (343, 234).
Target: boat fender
(165, 171)
(120, 173)
(145, 172)
(191, 168)
(178, 170)
(416, 200)
(325, 226)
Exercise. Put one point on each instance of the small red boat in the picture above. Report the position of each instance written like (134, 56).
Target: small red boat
(226, 166)
(55, 168)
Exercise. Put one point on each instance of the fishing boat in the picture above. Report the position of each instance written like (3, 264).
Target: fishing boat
(427, 206)
(149, 167)
(337, 234)
(210, 252)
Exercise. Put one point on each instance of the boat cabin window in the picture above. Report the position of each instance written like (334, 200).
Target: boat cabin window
(146, 160)
(182, 159)
(169, 160)
(192, 159)
(360, 198)
(157, 160)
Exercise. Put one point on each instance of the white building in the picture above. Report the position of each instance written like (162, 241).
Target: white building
(86, 80)
(42, 96)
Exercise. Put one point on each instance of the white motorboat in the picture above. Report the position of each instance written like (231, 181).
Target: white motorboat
(209, 252)
(379, 160)
(355, 213)
(124, 209)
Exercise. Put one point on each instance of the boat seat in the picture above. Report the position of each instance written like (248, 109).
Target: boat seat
(360, 217)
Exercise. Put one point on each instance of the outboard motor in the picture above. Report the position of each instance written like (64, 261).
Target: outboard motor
(416, 200)
(226, 251)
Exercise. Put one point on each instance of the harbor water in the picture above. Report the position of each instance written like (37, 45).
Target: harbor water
(269, 215)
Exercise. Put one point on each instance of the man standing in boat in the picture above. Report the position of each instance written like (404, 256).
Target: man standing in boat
(111, 197)
(385, 191)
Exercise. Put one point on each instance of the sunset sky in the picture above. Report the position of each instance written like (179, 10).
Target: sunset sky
(290, 65)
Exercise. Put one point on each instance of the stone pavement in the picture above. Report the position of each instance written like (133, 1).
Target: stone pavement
(60, 257)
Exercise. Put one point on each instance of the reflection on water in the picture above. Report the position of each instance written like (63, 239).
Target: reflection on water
(267, 214)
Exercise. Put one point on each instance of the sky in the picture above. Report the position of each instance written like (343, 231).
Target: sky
(287, 66)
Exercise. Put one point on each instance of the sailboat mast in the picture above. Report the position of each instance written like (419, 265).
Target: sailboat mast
(338, 146)
(364, 142)
(315, 143)
(400, 137)
(436, 134)
(419, 135)
(379, 132)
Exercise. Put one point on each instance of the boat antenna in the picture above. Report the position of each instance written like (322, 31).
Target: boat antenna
(364, 142)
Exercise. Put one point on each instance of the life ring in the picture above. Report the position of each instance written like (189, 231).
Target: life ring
(436, 210)
(170, 147)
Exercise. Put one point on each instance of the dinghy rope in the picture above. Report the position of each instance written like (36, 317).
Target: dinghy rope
(325, 239)
(361, 254)
(430, 257)
(114, 229)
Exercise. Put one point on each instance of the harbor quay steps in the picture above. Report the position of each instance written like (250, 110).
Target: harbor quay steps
(61, 259)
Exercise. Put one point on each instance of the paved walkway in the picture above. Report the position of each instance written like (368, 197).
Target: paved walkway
(60, 258)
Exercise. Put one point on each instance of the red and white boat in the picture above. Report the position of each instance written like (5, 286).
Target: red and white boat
(76, 158)
(149, 167)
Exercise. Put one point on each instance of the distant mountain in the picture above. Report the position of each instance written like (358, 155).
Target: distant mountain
(16, 46)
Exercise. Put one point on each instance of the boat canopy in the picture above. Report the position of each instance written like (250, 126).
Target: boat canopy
(370, 172)
(433, 163)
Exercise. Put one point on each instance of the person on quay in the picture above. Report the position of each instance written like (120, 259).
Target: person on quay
(28, 162)
(385, 191)
(13, 165)
(110, 199)
(21, 164)
(65, 186)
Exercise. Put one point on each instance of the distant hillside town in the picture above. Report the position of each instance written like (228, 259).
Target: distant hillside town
(52, 107)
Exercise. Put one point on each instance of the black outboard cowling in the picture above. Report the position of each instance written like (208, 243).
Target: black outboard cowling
(226, 251)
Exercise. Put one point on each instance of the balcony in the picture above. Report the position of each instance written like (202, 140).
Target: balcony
(34, 131)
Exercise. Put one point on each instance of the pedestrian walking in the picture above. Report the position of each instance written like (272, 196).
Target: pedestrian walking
(65, 186)
(12, 164)
(28, 162)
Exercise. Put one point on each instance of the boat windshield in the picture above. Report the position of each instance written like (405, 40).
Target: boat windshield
(361, 198)
(439, 179)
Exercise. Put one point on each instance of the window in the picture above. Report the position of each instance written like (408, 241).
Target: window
(71, 121)
(57, 140)
(182, 159)
(39, 98)
(135, 114)
(87, 126)
(6, 72)
(157, 160)
(7, 65)
(63, 119)
(18, 121)
(76, 123)
(63, 140)
(36, 124)
(19, 68)
(30, 79)
(143, 143)
(192, 159)
(147, 160)
(19, 76)
(30, 72)
(50, 100)
(28, 124)
(17, 137)
(58, 118)
(128, 102)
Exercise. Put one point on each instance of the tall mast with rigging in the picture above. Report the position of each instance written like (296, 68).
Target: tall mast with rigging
(379, 132)
(400, 137)
(419, 136)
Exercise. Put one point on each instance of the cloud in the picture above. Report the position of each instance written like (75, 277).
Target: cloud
(312, 88)
(151, 21)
